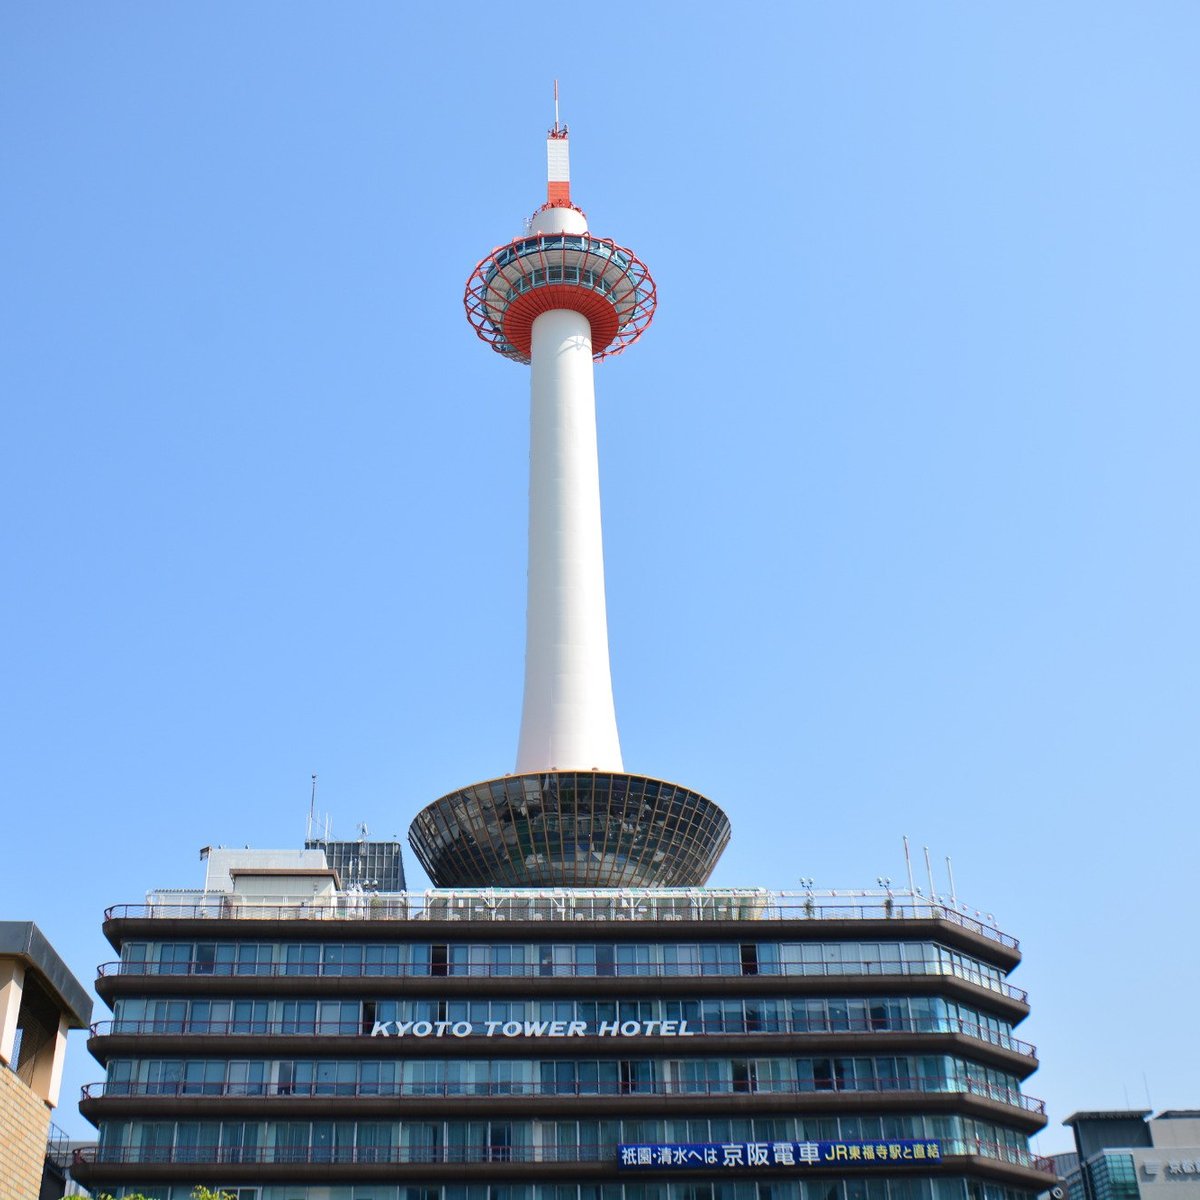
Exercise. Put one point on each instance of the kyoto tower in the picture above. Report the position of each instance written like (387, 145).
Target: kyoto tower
(560, 299)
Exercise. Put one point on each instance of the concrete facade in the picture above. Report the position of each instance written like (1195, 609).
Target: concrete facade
(1169, 1169)
(222, 861)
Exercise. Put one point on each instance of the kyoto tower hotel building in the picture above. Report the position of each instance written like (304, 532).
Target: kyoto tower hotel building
(569, 1013)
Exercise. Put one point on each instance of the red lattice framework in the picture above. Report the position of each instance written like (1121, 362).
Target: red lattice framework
(518, 282)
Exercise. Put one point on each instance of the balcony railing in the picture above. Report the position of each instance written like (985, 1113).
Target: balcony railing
(461, 1155)
(1018, 1155)
(461, 1089)
(641, 905)
(319, 1028)
(58, 1147)
(683, 970)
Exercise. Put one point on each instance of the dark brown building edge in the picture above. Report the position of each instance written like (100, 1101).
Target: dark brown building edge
(564, 1107)
(92, 1173)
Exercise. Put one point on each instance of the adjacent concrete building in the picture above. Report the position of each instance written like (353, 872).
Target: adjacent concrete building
(1132, 1155)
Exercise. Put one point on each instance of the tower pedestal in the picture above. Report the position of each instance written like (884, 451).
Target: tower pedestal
(570, 829)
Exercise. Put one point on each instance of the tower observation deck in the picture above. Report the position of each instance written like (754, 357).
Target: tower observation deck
(560, 299)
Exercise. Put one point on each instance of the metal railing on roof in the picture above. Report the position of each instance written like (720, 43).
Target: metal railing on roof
(641, 905)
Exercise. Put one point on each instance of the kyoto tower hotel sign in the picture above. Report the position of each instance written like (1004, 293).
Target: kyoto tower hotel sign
(559, 299)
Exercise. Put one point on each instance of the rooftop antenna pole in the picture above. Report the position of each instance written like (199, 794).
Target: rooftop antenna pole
(312, 804)
(929, 872)
(556, 106)
(953, 894)
(908, 864)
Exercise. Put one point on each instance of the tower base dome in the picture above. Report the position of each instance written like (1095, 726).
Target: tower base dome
(570, 829)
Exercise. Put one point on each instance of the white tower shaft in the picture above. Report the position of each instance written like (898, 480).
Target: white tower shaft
(568, 720)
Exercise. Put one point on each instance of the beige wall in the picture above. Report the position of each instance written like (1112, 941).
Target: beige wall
(24, 1125)
(1175, 1131)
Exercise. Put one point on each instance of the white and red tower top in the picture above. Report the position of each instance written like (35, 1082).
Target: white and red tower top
(559, 264)
(560, 298)
(558, 162)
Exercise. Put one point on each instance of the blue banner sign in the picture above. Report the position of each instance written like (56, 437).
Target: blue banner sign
(778, 1154)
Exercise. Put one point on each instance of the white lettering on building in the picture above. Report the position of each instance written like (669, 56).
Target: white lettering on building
(530, 1029)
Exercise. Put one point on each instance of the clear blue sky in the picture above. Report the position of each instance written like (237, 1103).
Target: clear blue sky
(900, 489)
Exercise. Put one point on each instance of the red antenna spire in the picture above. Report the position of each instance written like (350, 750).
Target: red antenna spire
(558, 162)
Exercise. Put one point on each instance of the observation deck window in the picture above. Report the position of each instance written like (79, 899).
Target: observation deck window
(596, 281)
